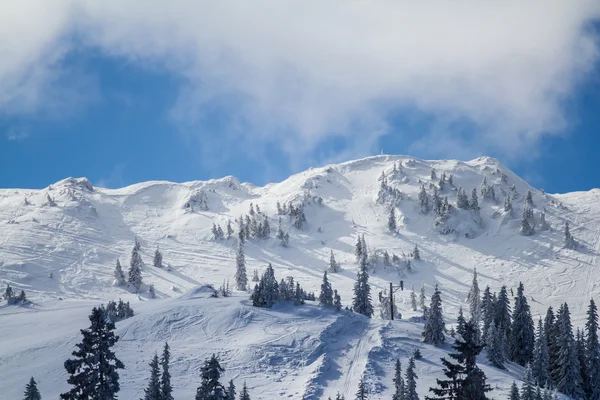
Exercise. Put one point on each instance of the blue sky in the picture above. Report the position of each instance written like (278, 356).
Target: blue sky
(121, 111)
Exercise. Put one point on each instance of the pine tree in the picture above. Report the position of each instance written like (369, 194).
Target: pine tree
(413, 300)
(522, 331)
(119, 275)
(465, 379)
(416, 254)
(157, 262)
(152, 392)
(231, 391)
(568, 375)
(495, 347)
(507, 205)
(166, 389)
(434, 326)
(528, 387)
(358, 251)
(474, 203)
(210, 388)
(526, 228)
(392, 220)
(410, 380)
(93, 371)
(592, 347)
(399, 388)
(152, 292)
(586, 384)
(423, 200)
(488, 312)
(135, 270)
(422, 297)
(502, 315)
(475, 301)
(326, 295)
(31, 391)
(362, 290)
(9, 294)
(337, 301)
(569, 240)
(333, 265)
(361, 393)
(462, 201)
(529, 199)
(550, 329)
(460, 322)
(514, 392)
(540, 368)
(229, 229)
(244, 393)
(241, 279)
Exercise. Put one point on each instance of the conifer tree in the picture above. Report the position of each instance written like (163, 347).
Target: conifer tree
(488, 309)
(514, 392)
(502, 315)
(152, 392)
(460, 322)
(540, 368)
(337, 301)
(157, 262)
(507, 205)
(31, 391)
(241, 279)
(244, 393)
(361, 393)
(422, 297)
(526, 228)
(166, 389)
(586, 384)
(592, 347)
(326, 295)
(416, 254)
(358, 250)
(152, 292)
(522, 331)
(462, 200)
(93, 372)
(434, 326)
(333, 265)
(231, 391)
(210, 387)
(475, 301)
(361, 302)
(529, 199)
(423, 200)
(474, 203)
(413, 300)
(135, 270)
(568, 375)
(410, 380)
(119, 275)
(551, 331)
(229, 229)
(495, 347)
(569, 240)
(392, 220)
(528, 387)
(399, 388)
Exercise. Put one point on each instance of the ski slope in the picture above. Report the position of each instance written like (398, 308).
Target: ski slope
(63, 252)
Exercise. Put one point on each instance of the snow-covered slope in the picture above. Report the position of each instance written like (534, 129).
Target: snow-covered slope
(62, 242)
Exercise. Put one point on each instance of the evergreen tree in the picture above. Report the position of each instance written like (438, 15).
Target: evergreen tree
(229, 229)
(423, 200)
(152, 292)
(540, 368)
(119, 275)
(337, 301)
(586, 384)
(411, 381)
(474, 203)
(422, 297)
(361, 393)
(502, 315)
(9, 294)
(460, 322)
(157, 262)
(231, 391)
(551, 331)
(358, 251)
(514, 392)
(465, 379)
(569, 240)
(528, 387)
(434, 326)
(326, 295)
(495, 347)
(462, 201)
(241, 279)
(522, 331)
(529, 199)
(152, 392)
(592, 348)
(361, 302)
(392, 220)
(31, 391)
(568, 377)
(135, 269)
(413, 300)
(333, 265)
(244, 393)
(166, 389)
(487, 311)
(416, 254)
(93, 372)
(475, 302)
(526, 228)
(210, 388)
(399, 388)
(507, 205)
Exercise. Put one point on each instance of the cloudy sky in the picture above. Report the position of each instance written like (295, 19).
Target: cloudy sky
(125, 91)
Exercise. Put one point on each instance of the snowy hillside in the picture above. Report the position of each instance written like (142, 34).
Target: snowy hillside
(60, 245)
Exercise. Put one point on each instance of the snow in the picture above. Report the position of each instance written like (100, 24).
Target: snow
(287, 351)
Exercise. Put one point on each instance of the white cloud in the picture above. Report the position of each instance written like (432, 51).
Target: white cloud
(315, 69)
(16, 134)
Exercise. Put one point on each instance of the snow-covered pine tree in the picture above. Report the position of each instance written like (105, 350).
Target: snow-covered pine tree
(214, 232)
(410, 381)
(569, 240)
(166, 389)
(361, 393)
(135, 270)
(540, 367)
(413, 299)
(152, 392)
(592, 347)
(266, 229)
(416, 254)
(31, 391)
(460, 322)
(94, 366)
(474, 299)
(157, 261)
(358, 250)
(337, 300)
(442, 181)
(333, 265)
(435, 326)
(474, 202)
(502, 314)
(422, 297)
(244, 395)
(119, 275)
(247, 228)
(529, 199)
(487, 311)
(586, 384)
(231, 389)
(241, 279)
(551, 331)
(392, 220)
(495, 347)
(522, 336)
(462, 201)
(567, 377)
(152, 292)
(399, 388)
(220, 233)
(423, 200)
(528, 387)
(514, 392)
(229, 229)
(507, 205)
(285, 240)
(210, 388)
(363, 244)
(255, 277)
(326, 295)
(433, 175)
(362, 290)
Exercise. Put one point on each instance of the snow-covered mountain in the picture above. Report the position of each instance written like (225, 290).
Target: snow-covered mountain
(60, 245)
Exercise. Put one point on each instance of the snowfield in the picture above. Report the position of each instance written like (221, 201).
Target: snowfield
(60, 245)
